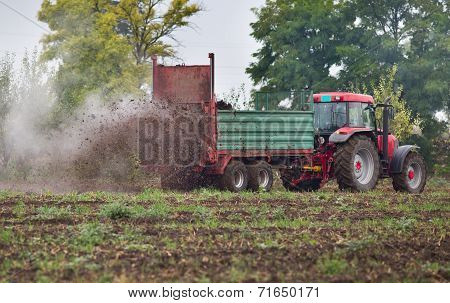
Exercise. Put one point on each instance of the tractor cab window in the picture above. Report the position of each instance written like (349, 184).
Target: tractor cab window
(355, 118)
(360, 115)
(329, 117)
(368, 116)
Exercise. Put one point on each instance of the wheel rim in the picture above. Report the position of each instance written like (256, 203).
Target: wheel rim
(363, 166)
(238, 178)
(263, 178)
(414, 175)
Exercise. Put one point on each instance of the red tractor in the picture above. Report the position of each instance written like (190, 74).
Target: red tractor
(351, 147)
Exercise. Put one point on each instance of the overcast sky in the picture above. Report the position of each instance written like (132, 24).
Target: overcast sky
(223, 28)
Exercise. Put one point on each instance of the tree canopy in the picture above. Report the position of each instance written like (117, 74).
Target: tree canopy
(103, 46)
(299, 40)
(331, 45)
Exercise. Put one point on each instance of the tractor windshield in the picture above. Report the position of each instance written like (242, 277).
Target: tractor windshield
(329, 117)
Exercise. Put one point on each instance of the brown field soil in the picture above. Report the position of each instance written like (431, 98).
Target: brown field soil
(212, 236)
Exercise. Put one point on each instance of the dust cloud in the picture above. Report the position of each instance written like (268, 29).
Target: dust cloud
(98, 142)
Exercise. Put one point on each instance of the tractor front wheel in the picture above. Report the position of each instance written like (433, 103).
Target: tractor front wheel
(357, 165)
(413, 177)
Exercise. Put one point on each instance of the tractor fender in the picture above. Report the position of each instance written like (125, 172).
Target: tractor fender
(400, 155)
(342, 135)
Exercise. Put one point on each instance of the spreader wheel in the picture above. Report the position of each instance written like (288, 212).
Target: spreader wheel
(413, 177)
(235, 178)
(357, 164)
(260, 176)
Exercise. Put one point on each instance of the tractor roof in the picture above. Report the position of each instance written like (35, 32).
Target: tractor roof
(342, 97)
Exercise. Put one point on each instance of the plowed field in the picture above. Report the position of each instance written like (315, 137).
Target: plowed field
(212, 236)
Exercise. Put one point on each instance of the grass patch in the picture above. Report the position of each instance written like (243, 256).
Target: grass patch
(403, 224)
(292, 223)
(20, 209)
(82, 210)
(6, 236)
(208, 194)
(116, 211)
(75, 197)
(169, 243)
(53, 213)
(332, 265)
(152, 194)
(356, 245)
(198, 211)
(6, 194)
(90, 235)
(268, 243)
(158, 210)
(279, 213)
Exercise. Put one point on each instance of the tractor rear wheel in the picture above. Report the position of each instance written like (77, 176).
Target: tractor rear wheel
(260, 176)
(357, 165)
(413, 177)
(235, 177)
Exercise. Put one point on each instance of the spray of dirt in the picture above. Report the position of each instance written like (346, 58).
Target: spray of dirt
(97, 145)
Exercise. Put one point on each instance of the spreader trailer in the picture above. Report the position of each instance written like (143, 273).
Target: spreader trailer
(309, 138)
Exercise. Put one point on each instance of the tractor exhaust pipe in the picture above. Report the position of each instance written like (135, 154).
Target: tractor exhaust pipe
(386, 117)
(213, 71)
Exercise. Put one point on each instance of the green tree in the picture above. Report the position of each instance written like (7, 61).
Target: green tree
(373, 39)
(425, 73)
(299, 40)
(7, 97)
(405, 123)
(6, 85)
(363, 39)
(144, 26)
(103, 46)
(92, 57)
(413, 34)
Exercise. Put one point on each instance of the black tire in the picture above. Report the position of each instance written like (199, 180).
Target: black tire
(260, 176)
(306, 186)
(412, 183)
(235, 177)
(357, 164)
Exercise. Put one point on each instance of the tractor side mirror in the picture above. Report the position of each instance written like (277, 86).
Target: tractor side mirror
(369, 108)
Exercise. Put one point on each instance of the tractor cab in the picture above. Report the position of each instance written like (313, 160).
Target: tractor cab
(334, 111)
